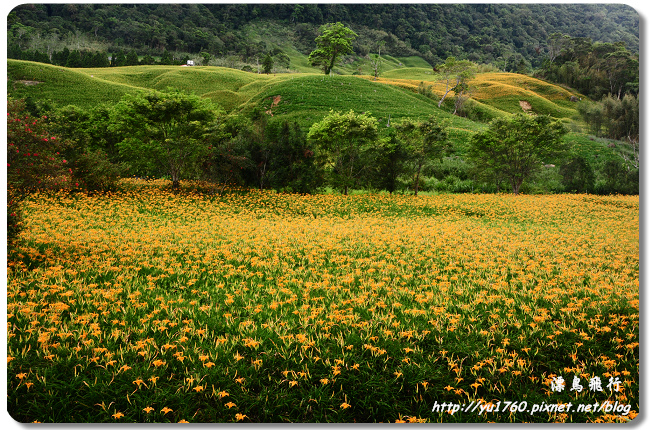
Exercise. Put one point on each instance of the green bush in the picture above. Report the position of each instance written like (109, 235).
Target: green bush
(33, 161)
(94, 172)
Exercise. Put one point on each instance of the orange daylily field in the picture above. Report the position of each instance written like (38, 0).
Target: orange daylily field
(150, 306)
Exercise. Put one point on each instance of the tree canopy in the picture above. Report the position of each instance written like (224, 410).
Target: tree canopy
(167, 129)
(334, 41)
(343, 138)
(515, 148)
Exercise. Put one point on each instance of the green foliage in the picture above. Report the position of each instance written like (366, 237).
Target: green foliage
(93, 171)
(504, 33)
(34, 161)
(424, 142)
(226, 155)
(594, 69)
(334, 41)
(343, 140)
(455, 74)
(267, 64)
(577, 175)
(391, 157)
(515, 148)
(618, 179)
(166, 129)
(612, 117)
(294, 164)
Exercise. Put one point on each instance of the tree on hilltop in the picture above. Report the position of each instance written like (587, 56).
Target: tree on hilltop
(455, 73)
(334, 41)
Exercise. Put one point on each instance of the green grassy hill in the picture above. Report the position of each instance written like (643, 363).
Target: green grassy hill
(500, 93)
(304, 97)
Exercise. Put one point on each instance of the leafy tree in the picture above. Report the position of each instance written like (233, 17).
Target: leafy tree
(267, 63)
(262, 150)
(74, 59)
(93, 171)
(227, 155)
(164, 130)
(619, 178)
(423, 141)
(391, 157)
(455, 73)
(166, 59)
(514, 148)
(132, 59)
(206, 58)
(577, 175)
(344, 139)
(334, 41)
(34, 161)
(294, 165)
(86, 132)
(282, 60)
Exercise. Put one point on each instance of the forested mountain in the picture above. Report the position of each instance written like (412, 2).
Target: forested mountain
(507, 35)
(424, 51)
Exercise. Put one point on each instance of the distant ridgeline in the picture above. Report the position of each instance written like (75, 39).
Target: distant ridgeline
(567, 44)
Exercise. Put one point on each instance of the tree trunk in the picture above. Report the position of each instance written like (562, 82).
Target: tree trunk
(175, 179)
(516, 184)
(448, 90)
(417, 179)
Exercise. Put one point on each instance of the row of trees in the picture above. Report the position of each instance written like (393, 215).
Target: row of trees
(180, 136)
(272, 60)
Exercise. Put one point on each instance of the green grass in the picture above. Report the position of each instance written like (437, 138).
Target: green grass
(306, 97)
(63, 86)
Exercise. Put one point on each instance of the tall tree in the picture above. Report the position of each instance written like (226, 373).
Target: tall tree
(455, 73)
(424, 141)
(267, 63)
(391, 159)
(514, 148)
(334, 41)
(375, 63)
(344, 140)
(164, 130)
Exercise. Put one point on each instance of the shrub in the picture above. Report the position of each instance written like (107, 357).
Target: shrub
(94, 172)
(33, 161)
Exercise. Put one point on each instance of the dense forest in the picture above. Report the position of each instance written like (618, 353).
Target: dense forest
(591, 48)
(512, 37)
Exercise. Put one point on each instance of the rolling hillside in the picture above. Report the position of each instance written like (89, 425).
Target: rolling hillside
(308, 97)
(304, 96)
